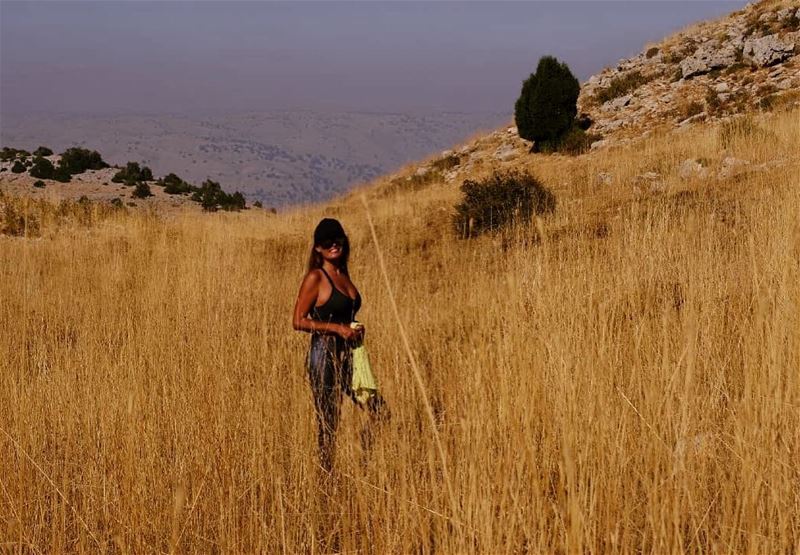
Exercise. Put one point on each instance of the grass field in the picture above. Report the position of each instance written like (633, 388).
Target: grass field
(621, 377)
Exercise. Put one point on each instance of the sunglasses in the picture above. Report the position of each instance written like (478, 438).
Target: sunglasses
(328, 243)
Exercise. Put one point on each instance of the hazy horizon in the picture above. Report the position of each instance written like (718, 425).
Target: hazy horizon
(231, 57)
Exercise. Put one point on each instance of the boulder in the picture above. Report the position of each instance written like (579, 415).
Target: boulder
(722, 87)
(732, 166)
(768, 50)
(505, 152)
(617, 103)
(690, 168)
(709, 56)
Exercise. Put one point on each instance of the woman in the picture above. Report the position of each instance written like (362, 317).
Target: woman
(326, 306)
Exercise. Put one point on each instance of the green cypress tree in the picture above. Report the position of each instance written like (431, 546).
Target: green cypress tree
(548, 102)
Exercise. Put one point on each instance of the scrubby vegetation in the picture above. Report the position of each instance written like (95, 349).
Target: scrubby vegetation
(77, 160)
(132, 173)
(142, 190)
(42, 168)
(547, 105)
(620, 86)
(446, 163)
(174, 185)
(573, 142)
(42, 151)
(8, 154)
(211, 197)
(502, 200)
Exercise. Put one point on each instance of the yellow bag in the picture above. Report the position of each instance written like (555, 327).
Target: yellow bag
(363, 384)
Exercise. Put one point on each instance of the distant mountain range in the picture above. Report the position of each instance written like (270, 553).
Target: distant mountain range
(275, 157)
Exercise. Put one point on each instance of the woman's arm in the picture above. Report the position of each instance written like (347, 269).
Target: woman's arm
(306, 299)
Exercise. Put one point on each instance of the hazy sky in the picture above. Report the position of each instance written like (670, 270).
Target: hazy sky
(200, 57)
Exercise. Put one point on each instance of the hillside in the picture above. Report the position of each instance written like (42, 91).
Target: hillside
(618, 377)
(278, 158)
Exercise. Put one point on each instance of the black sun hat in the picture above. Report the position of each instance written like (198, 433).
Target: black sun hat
(328, 228)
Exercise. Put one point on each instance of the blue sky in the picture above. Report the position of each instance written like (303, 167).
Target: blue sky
(203, 57)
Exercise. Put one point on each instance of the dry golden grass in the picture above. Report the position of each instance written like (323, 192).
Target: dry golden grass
(620, 378)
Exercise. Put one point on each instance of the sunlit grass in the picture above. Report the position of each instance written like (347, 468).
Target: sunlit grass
(621, 377)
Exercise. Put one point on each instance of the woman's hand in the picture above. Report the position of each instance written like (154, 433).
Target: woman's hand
(351, 334)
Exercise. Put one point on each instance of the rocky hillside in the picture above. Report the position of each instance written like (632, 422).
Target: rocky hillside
(745, 62)
(714, 72)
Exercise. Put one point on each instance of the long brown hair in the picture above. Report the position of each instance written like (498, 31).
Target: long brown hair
(315, 259)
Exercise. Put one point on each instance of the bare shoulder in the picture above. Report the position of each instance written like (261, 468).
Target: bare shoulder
(312, 278)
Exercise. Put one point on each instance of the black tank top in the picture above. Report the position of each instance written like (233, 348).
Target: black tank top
(339, 308)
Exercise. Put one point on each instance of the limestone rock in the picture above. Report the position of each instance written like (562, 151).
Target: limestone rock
(707, 57)
(768, 50)
(504, 153)
(617, 103)
(690, 168)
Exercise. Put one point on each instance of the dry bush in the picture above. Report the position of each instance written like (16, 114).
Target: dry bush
(627, 384)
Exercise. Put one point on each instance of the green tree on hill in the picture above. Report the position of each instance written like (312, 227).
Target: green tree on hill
(142, 190)
(77, 160)
(42, 168)
(131, 174)
(211, 197)
(42, 151)
(547, 105)
(174, 185)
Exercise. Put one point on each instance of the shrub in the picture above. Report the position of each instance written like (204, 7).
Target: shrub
(446, 163)
(792, 23)
(211, 197)
(547, 104)
(39, 184)
(502, 200)
(42, 168)
(691, 109)
(18, 167)
(652, 51)
(575, 141)
(132, 174)
(713, 103)
(8, 154)
(116, 203)
(61, 174)
(620, 86)
(258, 204)
(142, 190)
(78, 160)
(174, 185)
(42, 151)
